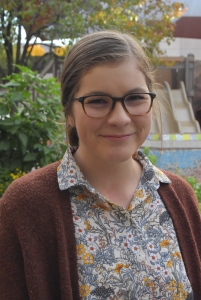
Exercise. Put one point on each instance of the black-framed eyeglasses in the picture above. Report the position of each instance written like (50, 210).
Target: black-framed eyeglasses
(98, 106)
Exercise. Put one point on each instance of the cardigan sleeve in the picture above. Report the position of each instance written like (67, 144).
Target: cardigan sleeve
(12, 278)
(37, 243)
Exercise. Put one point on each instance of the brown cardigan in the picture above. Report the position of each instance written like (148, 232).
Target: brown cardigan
(37, 242)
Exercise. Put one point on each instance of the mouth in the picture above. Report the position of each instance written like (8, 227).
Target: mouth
(119, 137)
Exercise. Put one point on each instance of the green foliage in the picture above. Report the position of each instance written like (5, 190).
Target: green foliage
(150, 21)
(31, 133)
(6, 178)
(152, 158)
(196, 186)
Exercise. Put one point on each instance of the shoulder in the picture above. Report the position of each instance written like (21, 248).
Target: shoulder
(32, 187)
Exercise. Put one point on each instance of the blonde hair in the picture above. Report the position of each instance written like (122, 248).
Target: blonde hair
(101, 47)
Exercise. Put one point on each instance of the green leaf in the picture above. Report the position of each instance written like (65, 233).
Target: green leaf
(7, 122)
(16, 164)
(24, 149)
(4, 145)
(42, 116)
(47, 150)
(18, 121)
(41, 101)
(26, 94)
(10, 84)
(4, 110)
(20, 110)
(29, 157)
(13, 130)
(17, 96)
(43, 161)
(23, 138)
(191, 180)
(38, 146)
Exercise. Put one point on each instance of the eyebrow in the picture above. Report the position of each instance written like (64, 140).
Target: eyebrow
(135, 90)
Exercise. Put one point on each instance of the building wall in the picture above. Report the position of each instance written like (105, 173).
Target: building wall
(179, 154)
(182, 47)
(182, 162)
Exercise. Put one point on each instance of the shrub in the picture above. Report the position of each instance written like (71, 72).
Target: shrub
(31, 132)
(152, 158)
(196, 186)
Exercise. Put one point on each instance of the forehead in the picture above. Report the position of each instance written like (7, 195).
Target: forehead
(112, 78)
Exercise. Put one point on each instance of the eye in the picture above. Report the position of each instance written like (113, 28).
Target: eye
(137, 97)
(97, 100)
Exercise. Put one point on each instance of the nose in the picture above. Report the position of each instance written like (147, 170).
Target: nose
(118, 116)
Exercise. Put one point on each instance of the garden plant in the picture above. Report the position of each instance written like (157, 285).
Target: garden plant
(31, 128)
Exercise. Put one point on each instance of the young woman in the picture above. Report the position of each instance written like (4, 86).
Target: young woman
(103, 223)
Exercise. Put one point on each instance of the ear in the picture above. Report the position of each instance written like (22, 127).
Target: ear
(71, 120)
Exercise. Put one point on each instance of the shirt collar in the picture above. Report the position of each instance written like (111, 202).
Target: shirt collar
(151, 175)
(69, 174)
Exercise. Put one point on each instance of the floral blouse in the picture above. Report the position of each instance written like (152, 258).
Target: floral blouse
(123, 254)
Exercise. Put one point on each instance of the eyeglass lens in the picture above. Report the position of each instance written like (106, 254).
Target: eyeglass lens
(100, 106)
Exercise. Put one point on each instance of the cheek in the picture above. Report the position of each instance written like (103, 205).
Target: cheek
(144, 122)
(87, 128)
(149, 120)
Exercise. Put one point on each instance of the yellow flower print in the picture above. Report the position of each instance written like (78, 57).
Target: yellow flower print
(101, 205)
(80, 197)
(139, 194)
(150, 284)
(148, 200)
(88, 259)
(84, 290)
(180, 287)
(88, 226)
(177, 297)
(80, 249)
(164, 243)
(118, 268)
(169, 264)
(184, 294)
(130, 207)
(126, 266)
(172, 285)
(176, 254)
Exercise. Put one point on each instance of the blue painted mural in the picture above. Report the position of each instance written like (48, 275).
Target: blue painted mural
(186, 162)
(181, 159)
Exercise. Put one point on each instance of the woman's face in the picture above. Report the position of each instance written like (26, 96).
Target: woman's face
(116, 137)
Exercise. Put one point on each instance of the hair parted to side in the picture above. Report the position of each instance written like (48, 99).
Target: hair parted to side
(98, 48)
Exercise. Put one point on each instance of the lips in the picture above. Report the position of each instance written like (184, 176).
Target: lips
(117, 136)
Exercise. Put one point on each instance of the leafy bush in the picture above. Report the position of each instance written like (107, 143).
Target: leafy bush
(196, 186)
(31, 132)
(6, 179)
(152, 158)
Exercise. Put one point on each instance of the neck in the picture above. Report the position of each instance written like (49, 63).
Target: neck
(113, 180)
